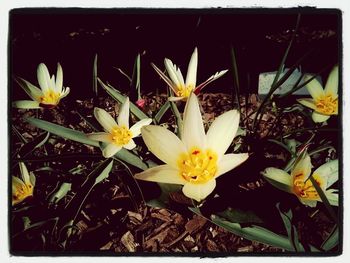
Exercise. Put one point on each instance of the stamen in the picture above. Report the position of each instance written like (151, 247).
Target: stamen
(121, 135)
(327, 105)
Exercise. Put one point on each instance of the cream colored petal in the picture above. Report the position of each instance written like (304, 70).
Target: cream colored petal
(176, 98)
(222, 131)
(59, 78)
(230, 161)
(164, 77)
(106, 120)
(199, 192)
(161, 174)
(171, 69)
(110, 150)
(329, 172)
(52, 83)
(123, 116)
(16, 183)
(130, 145)
(310, 103)
(333, 198)
(180, 77)
(318, 117)
(100, 136)
(136, 128)
(163, 143)
(278, 178)
(193, 134)
(43, 77)
(65, 92)
(332, 82)
(310, 203)
(314, 87)
(209, 80)
(26, 104)
(24, 173)
(33, 92)
(191, 76)
(302, 169)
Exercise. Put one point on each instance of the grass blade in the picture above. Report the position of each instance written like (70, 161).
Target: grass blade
(161, 112)
(34, 144)
(94, 77)
(235, 78)
(332, 240)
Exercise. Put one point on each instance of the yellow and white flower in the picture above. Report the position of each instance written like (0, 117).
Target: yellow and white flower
(22, 187)
(117, 135)
(176, 82)
(324, 102)
(50, 93)
(197, 159)
(299, 184)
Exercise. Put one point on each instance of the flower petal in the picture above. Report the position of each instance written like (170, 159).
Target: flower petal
(230, 161)
(332, 82)
(110, 150)
(199, 191)
(106, 120)
(191, 76)
(333, 198)
(162, 174)
(176, 98)
(310, 103)
(65, 92)
(130, 145)
(136, 128)
(164, 77)
(302, 168)
(193, 134)
(43, 77)
(278, 178)
(16, 183)
(163, 143)
(314, 87)
(318, 117)
(172, 72)
(100, 136)
(123, 116)
(328, 171)
(26, 104)
(209, 80)
(59, 78)
(33, 92)
(222, 131)
(310, 203)
(24, 173)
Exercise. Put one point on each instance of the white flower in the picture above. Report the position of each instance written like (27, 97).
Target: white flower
(197, 159)
(299, 184)
(176, 82)
(324, 102)
(51, 91)
(117, 135)
(22, 187)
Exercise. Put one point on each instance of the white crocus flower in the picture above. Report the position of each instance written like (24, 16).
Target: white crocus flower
(22, 187)
(117, 135)
(176, 82)
(197, 159)
(324, 102)
(50, 93)
(299, 184)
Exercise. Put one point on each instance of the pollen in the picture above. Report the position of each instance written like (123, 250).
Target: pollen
(327, 105)
(121, 135)
(305, 189)
(198, 166)
(184, 91)
(50, 97)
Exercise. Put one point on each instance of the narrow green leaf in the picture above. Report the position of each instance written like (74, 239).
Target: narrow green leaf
(179, 121)
(135, 80)
(235, 77)
(123, 73)
(115, 94)
(94, 77)
(332, 240)
(62, 192)
(19, 135)
(34, 144)
(236, 215)
(62, 131)
(161, 112)
(104, 174)
(26, 104)
(131, 158)
(254, 233)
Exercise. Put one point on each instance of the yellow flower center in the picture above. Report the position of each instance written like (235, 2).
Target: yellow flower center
(184, 91)
(50, 97)
(198, 166)
(22, 192)
(327, 105)
(121, 135)
(305, 189)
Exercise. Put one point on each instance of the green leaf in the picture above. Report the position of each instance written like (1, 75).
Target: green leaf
(62, 131)
(332, 240)
(235, 77)
(34, 144)
(19, 135)
(94, 76)
(179, 121)
(26, 104)
(161, 112)
(254, 233)
(104, 174)
(62, 192)
(236, 215)
(115, 94)
(135, 81)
